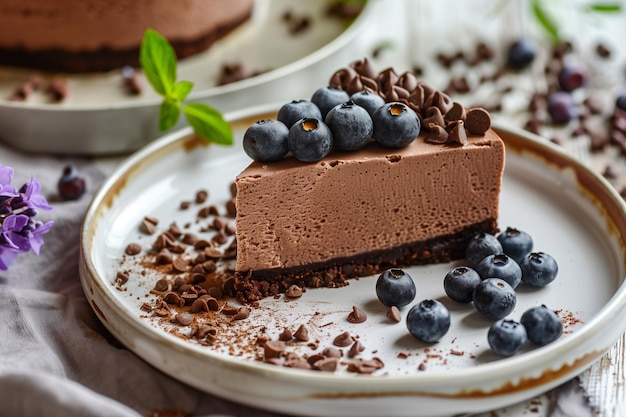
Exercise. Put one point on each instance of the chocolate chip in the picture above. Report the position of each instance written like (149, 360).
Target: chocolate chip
(199, 305)
(179, 264)
(343, 340)
(132, 249)
(121, 278)
(362, 366)
(201, 196)
(172, 298)
(161, 285)
(394, 314)
(478, 121)
(355, 349)
(293, 291)
(184, 205)
(58, 89)
(302, 334)
(231, 208)
(285, 335)
(242, 313)
(212, 253)
(148, 227)
(326, 365)
(164, 257)
(456, 132)
(357, 315)
(273, 349)
(185, 319)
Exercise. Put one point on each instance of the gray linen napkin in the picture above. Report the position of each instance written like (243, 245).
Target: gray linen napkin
(56, 358)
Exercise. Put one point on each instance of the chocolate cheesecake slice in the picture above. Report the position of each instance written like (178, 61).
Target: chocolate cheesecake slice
(358, 213)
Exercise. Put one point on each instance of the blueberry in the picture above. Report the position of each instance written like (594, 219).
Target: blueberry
(561, 107)
(326, 98)
(620, 102)
(460, 282)
(515, 243)
(480, 246)
(572, 77)
(368, 100)
(500, 266)
(521, 53)
(494, 298)
(295, 110)
(266, 141)
(395, 125)
(428, 321)
(71, 186)
(539, 269)
(395, 287)
(506, 337)
(310, 140)
(542, 325)
(351, 125)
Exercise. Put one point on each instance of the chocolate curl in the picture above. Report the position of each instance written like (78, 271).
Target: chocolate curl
(433, 116)
(456, 132)
(436, 134)
(456, 112)
(408, 81)
(364, 67)
(478, 121)
(341, 78)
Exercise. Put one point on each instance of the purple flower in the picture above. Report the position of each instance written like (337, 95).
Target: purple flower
(19, 231)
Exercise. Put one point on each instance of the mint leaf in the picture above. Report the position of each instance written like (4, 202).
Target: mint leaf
(605, 7)
(181, 90)
(545, 20)
(208, 123)
(158, 61)
(169, 114)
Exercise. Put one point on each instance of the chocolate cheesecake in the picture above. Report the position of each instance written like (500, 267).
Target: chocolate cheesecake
(358, 213)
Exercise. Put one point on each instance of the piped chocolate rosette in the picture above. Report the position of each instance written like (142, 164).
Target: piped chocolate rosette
(360, 105)
(442, 119)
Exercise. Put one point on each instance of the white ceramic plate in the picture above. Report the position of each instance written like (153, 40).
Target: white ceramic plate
(99, 118)
(571, 213)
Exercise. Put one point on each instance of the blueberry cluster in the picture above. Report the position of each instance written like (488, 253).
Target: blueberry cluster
(498, 265)
(331, 119)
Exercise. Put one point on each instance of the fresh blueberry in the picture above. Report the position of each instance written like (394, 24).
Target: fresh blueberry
(480, 246)
(326, 98)
(71, 186)
(295, 110)
(428, 321)
(494, 298)
(460, 282)
(310, 140)
(395, 287)
(515, 243)
(539, 269)
(395, 125)
(506, 337)
(542, 325)
(351, 125)
(561, 107)
(368, 100)
(266, 141)
(521, 53)
(572, 76)
(500, 266)
(620, 102)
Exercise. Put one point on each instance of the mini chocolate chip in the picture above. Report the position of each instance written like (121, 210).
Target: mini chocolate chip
(148, 227)
(293, 291)
(394, 314)
(161, 285)
(184, 205)
(302, 333)
(172, 298)
(201, 196)
(357, 315)
(201, 244)
(343, 340)
(242, 313)
(285, 335)
(199, 305)
(355, 349)
(273, 349)
(220, 238)
(212, 253)
(164, 257)
(132, 249)
(184, 319)
(179, 264)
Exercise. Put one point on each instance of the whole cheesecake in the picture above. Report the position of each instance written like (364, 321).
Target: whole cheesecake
(100, 35)
(358, 213)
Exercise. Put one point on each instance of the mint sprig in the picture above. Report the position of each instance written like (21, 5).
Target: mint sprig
(158, 62)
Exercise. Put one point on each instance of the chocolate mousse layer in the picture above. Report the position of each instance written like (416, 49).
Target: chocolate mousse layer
(354, 214)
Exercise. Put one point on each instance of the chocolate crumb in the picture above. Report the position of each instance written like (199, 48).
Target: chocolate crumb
(201, 196)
